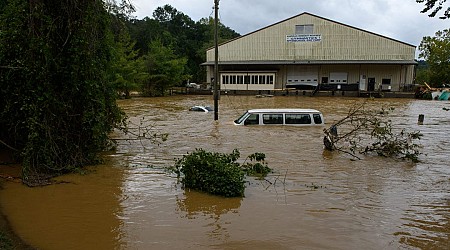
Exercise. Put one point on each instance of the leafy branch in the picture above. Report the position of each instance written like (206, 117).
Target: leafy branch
(367, 131)
(257, 165)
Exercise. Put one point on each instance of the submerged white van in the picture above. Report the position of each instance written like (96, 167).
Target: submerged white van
(292, 117)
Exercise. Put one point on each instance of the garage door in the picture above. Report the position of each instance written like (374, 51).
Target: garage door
(301, 76)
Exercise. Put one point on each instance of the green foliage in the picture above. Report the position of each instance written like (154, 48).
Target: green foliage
(436, 51)
(422, 73)
(218, 173)
(5, 241)
(165, 69)
(366, 130)
(214, 173)
(188, 39)
(128, 70)
(389, 144)
(258, 168)
(56, 103)
(172, 47)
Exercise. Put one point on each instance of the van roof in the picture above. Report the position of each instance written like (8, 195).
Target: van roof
(285, 110)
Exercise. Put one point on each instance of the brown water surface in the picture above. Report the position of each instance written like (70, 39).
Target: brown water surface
(314, 200)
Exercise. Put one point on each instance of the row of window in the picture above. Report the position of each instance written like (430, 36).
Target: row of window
(278, 119)
(248, 79)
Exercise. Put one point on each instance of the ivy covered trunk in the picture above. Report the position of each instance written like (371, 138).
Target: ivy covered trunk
(56, 104)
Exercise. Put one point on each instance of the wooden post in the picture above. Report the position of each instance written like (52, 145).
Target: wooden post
(216, 59)
(421, 118)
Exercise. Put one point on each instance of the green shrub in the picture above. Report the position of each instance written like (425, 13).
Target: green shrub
(5, 241)
(214, 173)
(259, 168)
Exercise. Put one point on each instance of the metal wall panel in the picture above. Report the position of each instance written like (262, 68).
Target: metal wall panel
(338, 42)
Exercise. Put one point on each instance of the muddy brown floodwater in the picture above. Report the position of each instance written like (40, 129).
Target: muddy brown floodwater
(314, 200)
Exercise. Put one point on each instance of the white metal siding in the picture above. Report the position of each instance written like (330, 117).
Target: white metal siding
(339, 42)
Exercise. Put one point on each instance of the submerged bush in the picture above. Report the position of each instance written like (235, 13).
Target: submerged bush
(219, 173)
(258, 168)
(214, 173)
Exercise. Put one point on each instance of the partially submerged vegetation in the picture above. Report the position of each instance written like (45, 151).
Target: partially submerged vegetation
(219, 173)
(365, 131)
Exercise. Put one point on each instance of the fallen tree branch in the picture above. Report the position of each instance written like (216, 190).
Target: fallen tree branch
(365, 131)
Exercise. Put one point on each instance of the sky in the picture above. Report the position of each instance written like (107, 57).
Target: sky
(397, 19)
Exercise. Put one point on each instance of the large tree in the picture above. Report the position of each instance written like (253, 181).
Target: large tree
(56, 103)
(435, 6)
(165, 69)
(436, 51)
(128, 72)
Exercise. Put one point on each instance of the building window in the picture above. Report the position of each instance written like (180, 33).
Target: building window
(248, 78)
(240, 79)
(304, 29)
(270, 79)
(262, 79)
(254, 79)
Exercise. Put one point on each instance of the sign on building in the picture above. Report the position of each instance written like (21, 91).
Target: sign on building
(304, 38)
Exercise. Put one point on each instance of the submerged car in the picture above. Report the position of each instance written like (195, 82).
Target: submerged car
(201, 108)
(193, 85)
(293, 117)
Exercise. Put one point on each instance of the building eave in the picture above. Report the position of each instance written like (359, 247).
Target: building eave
(314, 62)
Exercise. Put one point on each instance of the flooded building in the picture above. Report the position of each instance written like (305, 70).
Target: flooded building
(310, 52)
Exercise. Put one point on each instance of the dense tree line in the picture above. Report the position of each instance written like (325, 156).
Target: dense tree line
(171, 47)
(436, 52)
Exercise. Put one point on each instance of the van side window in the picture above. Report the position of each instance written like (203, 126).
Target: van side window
(273, 118)
(317, 119)
(252, 119)
(298, 119)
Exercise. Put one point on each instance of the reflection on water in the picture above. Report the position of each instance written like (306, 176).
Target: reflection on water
(196, 204)
(314, 200)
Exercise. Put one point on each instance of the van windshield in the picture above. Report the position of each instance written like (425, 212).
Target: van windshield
(241, 119)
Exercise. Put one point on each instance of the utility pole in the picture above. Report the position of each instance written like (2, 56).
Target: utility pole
(216, 61)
